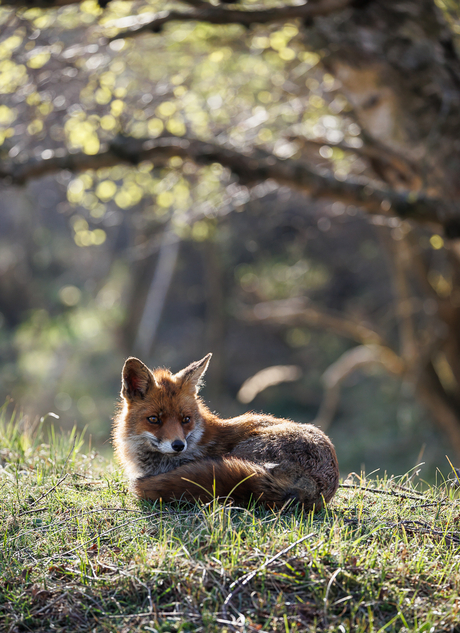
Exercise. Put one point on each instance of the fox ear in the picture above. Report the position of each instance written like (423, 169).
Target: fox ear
(136, 380)
(193, 374)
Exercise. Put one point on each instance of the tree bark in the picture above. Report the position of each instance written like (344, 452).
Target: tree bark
(397, 65)
(251, 169)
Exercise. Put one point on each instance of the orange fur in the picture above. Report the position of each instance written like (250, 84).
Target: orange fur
(185, 451)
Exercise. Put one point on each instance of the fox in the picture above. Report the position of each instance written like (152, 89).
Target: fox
(172, 447)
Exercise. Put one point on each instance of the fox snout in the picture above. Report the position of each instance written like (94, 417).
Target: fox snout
(172, 446)
(178, 446)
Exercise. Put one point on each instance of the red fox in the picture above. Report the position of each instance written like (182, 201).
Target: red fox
(172, 447)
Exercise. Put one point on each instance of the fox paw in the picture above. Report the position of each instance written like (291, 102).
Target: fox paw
(291, 497)
(298, 497)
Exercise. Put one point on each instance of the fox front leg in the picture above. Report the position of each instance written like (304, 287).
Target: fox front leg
(152, 488)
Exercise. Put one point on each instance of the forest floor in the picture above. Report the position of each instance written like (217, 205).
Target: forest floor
(78, 552)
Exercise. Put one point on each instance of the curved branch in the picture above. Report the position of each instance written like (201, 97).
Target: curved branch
(158, 290)
(444, 412)
(221, 15)
(352, 360)
(268, 377)
(302, 312)
(391, 167)
(251, 169)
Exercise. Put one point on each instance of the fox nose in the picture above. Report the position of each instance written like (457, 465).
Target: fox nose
(178, 446)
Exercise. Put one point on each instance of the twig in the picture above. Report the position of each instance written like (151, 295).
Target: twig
(58, 526)
(329, 585)
(101, 534)
(50, 604)
(35, 510)
(58, 483)
(391, 493)
(189, 616)
(239, 584)
(432, 503)
(427, 529)
(410, 526)
(46, 493)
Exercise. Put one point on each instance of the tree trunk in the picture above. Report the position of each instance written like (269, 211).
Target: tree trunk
(398, 67)
(215, 315)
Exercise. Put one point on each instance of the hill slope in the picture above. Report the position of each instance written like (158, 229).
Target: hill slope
(78, 552)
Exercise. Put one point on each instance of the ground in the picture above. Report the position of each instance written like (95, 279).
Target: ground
(78, 552)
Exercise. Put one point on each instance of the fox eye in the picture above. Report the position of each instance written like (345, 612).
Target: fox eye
(154, 419)
(186, 419)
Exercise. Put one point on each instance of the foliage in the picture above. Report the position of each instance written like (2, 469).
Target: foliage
(74, 283)
(237, 87)
(77, 548)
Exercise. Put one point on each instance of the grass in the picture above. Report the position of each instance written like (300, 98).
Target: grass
(78, 552)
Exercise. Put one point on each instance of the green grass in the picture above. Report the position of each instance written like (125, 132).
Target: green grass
(79, 553)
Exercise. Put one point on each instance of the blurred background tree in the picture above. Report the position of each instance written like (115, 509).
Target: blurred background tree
(273, 182)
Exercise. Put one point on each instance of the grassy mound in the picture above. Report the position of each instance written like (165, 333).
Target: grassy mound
(79, 553)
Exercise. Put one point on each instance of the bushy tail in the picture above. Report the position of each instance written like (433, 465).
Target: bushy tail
(239, 479)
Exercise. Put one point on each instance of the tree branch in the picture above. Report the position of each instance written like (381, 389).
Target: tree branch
(221, 15)
(352, 360)
(372, 351)
(268, 377)
(444, 413)
(251, 169)
(392, 168)
(301, 312)
(158, 290)
(400, 264)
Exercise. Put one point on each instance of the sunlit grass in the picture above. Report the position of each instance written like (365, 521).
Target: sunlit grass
(78, 552)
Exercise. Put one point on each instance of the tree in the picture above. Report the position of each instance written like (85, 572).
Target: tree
(353, 102)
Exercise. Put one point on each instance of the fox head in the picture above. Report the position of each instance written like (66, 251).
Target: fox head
(161, 409)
